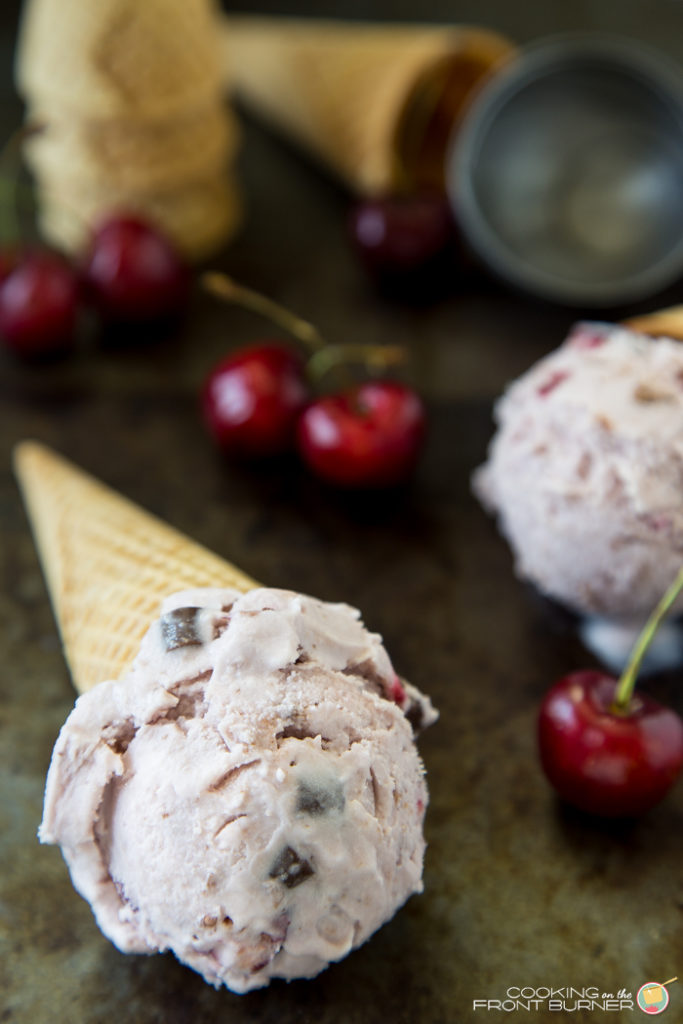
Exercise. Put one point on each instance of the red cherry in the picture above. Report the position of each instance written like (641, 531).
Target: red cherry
(602, 761)
(399, 236)
(38, 304)
(252, 399)
(369, 436)
(133, 272)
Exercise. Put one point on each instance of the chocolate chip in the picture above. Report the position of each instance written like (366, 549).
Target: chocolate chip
(291, 869)
(180, 628)
(416, 716)
(319, 798)
(220, 624)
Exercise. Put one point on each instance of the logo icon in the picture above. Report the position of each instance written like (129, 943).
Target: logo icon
(653, 997)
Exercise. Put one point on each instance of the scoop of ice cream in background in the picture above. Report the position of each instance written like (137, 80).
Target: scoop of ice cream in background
(585, 476)
(249, 795)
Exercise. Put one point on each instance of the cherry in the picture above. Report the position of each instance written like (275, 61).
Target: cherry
(368, 436)
(38, 304)
(251, 399)
(133, 273)
(401, 238)
(604, 750)
(606, 763)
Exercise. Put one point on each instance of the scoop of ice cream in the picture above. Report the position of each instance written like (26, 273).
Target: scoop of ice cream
(585, 471)
(250, 795)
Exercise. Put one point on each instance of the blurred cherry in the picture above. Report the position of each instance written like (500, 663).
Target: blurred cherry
(133, 273)
(38, 303)
(403, 241)
(252, 398)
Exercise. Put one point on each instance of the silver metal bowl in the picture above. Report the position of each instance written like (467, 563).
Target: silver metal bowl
(567, 177)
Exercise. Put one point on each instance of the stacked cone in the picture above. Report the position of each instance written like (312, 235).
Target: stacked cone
(108, 563)
(130, 100)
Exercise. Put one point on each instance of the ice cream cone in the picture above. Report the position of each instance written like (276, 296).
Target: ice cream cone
(115, 58)
(363, 98)
(107, 562)
(663, 323)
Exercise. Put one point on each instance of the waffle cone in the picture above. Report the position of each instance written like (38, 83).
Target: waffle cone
(107, 562)
(663, 323)
(117, 58)
(341, 89)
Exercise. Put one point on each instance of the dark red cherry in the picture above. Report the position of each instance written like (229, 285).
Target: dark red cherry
(251, 399)
(38, 303)
(401, 238)
(133, 272)
(604, 761)
(368, 436)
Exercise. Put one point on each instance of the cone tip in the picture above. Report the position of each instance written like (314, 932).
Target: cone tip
(25, 453)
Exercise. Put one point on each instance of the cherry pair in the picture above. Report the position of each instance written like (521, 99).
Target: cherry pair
(259, 401)
(130, 274)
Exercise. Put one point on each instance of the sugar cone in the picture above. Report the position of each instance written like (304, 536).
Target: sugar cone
(343, 89)
(139, 155)
(663, 323)
(107, 562)
(119, 58)
(131, 99)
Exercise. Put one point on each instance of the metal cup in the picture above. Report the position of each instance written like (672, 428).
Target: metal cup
(567, 177)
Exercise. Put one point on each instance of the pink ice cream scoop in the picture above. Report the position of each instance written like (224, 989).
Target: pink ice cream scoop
(585, 471)
(250, 795)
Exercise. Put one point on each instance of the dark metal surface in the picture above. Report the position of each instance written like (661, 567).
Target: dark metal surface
(519, 892)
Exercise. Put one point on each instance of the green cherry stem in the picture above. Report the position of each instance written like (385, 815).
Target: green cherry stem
(225, 288)
(374, 357)
(627, 680)
(324, 357)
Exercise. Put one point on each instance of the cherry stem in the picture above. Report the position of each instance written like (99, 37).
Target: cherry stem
(225, 288)
(627, 680)
(373, 357)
